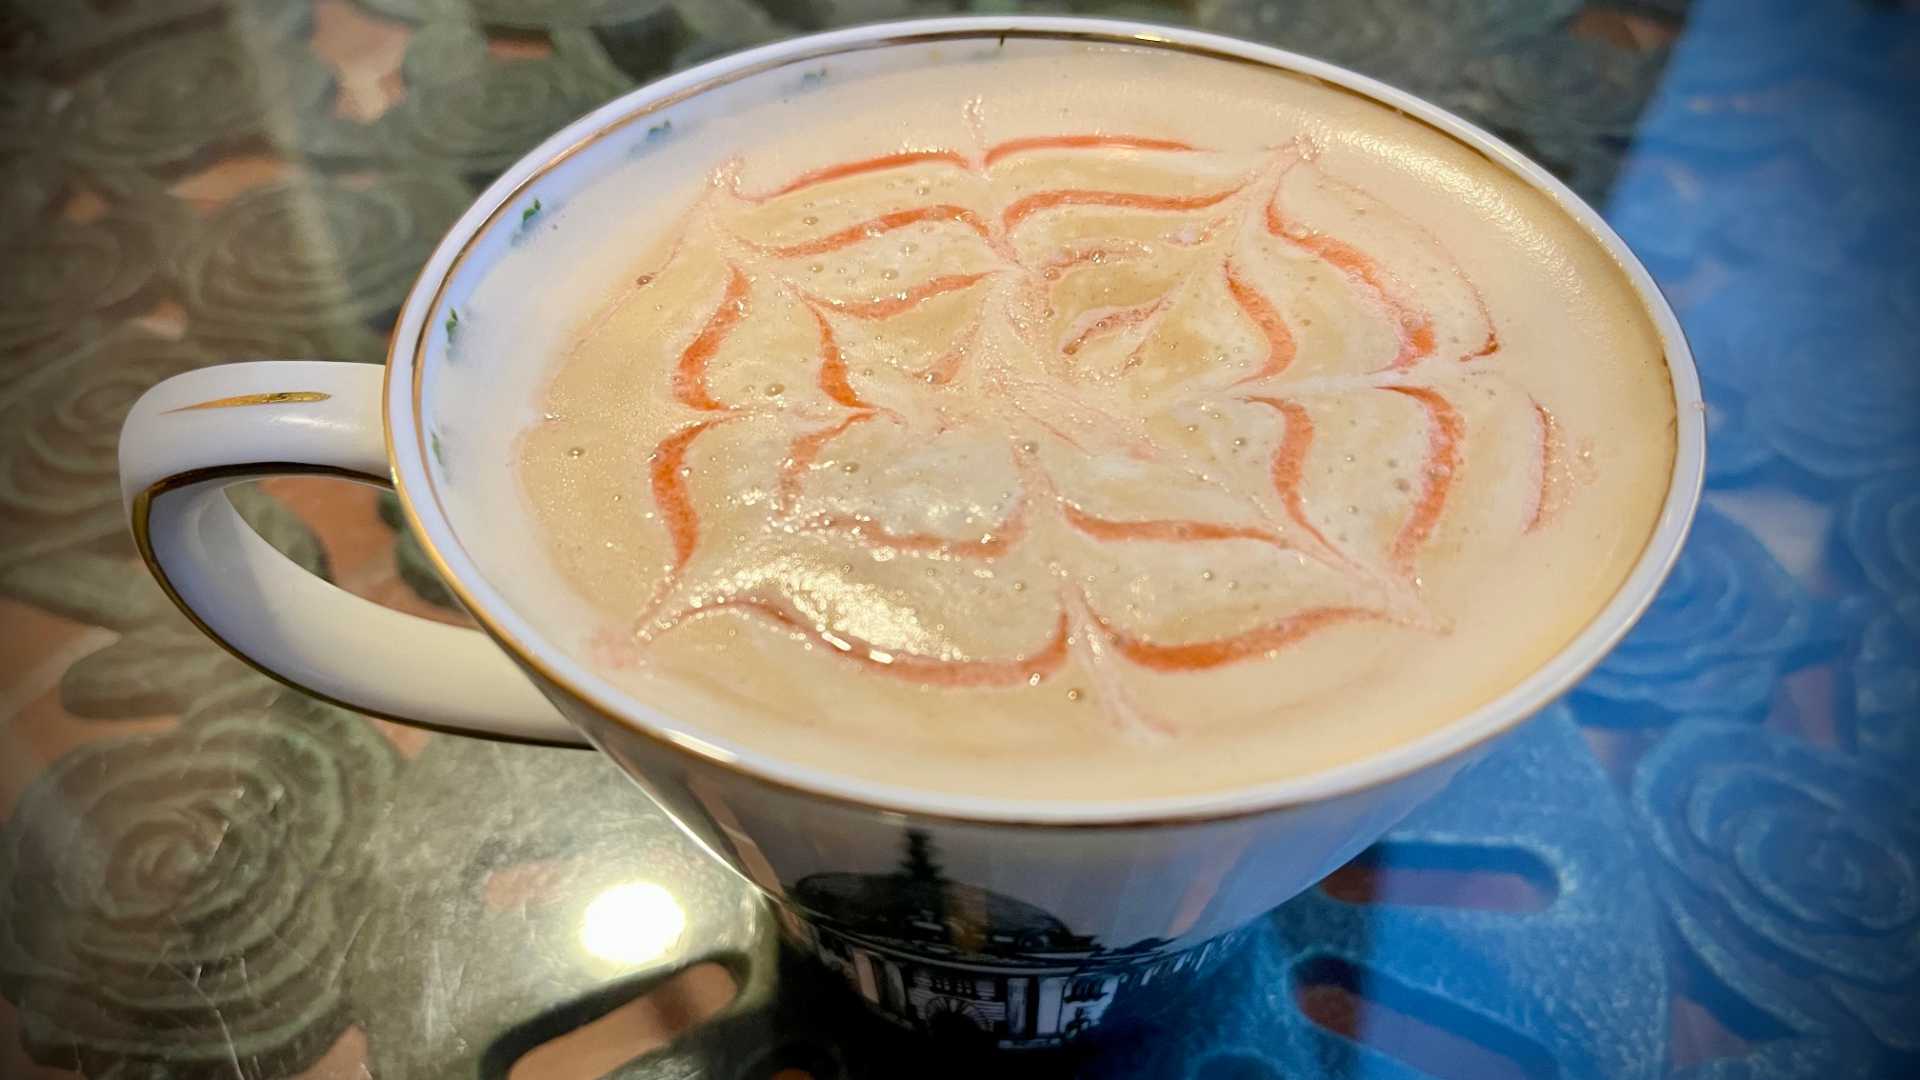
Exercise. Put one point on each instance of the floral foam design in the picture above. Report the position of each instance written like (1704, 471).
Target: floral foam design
(1081, 367)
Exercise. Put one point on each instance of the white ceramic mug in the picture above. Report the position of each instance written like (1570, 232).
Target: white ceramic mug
(1073, 902)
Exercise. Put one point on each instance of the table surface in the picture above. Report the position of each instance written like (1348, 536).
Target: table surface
(1702, 865)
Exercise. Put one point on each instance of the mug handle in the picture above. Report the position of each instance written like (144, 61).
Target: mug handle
(189, 438)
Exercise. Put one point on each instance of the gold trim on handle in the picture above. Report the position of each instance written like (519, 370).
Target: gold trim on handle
(241, 401)
(141, 514)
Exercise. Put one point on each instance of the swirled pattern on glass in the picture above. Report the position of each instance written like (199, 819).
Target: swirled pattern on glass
(64, 271)
(1717, 637)
(514, 883)
(1881, 524)
(59, 475)
(1792, 873)
(1882, 528)
(1886, 687)
(168, 100)
(307, 255)
(1849, 427)
(184, 900)
(476, 116)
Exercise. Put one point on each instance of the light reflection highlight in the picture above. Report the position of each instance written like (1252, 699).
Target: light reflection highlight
(632, 923)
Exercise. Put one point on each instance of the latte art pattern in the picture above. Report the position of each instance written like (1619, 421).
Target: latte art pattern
(1078, 426)
(1136, 403)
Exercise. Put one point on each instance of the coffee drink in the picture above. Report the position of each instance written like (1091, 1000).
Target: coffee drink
(1124, 423)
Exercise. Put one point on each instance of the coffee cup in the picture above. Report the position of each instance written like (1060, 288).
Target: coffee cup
(1020, 919)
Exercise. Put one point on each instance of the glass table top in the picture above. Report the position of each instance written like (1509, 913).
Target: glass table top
(1704, 864)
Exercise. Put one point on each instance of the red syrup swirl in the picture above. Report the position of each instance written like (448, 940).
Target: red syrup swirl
(1055, 405)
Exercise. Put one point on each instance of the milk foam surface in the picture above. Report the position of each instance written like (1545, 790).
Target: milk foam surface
(1121, 424)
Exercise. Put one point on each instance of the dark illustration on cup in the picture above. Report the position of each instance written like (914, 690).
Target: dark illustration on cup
(968, 965)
